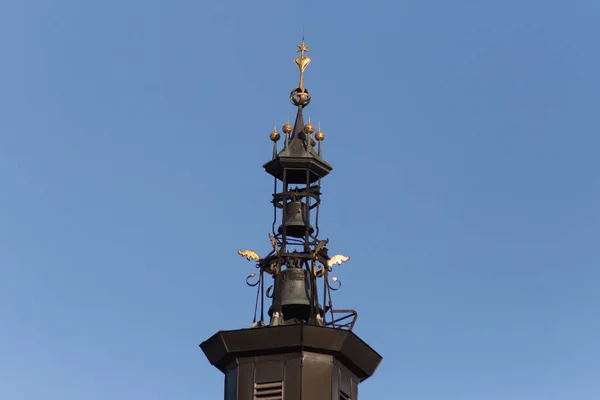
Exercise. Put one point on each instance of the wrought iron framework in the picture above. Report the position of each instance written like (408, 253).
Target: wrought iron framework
(298, 169)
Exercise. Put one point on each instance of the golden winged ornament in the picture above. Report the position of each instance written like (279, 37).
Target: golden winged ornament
(337, 260)
(249, 254)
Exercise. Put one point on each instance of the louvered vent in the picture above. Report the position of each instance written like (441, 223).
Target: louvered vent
(344, 396)
(268, 391)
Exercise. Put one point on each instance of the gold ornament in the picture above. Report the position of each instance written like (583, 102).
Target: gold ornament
(302, 61)
(249, 254)
(337, 260)
(274, 243)
(275, 135)
(287, 128)
(309, 128)
(319, 135)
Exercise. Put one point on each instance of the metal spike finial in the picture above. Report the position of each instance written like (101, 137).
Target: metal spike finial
(287, 128)
(319, 136)
(275, 135)
(309, 128)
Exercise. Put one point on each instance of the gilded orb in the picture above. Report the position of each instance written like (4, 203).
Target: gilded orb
(275, 136)
(309, 128)
(319, 136)
(287, 128)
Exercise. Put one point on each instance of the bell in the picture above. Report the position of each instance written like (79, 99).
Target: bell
(292, 292)
(296, 220)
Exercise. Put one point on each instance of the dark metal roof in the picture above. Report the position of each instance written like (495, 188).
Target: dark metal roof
(225, 346)
(298, 156)
(299, 145)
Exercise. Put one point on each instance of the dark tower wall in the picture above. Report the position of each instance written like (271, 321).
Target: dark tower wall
(295, 376)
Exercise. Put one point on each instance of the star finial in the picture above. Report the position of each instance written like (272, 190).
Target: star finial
(302, 48)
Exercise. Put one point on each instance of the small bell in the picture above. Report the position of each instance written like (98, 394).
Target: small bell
(296, 220)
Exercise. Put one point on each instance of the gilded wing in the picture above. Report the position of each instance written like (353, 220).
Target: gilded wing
(249, 254)
(337, 260)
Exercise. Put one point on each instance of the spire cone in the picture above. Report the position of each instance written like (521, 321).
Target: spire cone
(298, 149)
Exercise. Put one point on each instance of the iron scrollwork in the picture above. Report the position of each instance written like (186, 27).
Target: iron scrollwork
(252, 275)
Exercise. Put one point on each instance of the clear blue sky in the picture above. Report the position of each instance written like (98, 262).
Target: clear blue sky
(464, 139)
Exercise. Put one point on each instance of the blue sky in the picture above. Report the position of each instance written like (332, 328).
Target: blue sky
(464, 139)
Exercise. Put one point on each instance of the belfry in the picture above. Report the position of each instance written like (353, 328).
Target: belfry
(306, 350)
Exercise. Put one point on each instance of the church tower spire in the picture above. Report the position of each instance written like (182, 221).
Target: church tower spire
(307, 349)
